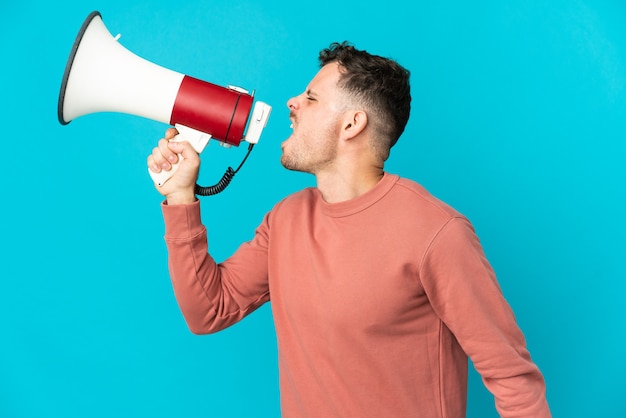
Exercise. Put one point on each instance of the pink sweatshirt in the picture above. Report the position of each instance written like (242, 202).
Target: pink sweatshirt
(377, 303)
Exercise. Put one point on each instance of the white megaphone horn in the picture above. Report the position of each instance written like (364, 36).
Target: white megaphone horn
(103, 76)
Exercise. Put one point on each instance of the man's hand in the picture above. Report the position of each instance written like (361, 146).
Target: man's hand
(180, 188)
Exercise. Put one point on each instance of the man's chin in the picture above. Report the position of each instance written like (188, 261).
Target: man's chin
(290, 165)
(286, 163)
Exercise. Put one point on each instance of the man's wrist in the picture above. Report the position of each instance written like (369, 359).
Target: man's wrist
(181, 198)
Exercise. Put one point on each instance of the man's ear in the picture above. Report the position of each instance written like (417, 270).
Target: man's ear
(353, 124)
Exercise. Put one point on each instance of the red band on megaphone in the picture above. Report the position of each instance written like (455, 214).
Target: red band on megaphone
(223, 113)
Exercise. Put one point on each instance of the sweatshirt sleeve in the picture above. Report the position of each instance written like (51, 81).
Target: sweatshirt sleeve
(212, 296)
(464, 292)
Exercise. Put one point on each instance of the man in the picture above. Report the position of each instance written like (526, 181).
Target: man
(379, 291)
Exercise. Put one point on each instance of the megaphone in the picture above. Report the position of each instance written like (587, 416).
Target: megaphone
(103, 76)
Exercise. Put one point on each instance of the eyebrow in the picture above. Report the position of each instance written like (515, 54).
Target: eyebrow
(310, 92)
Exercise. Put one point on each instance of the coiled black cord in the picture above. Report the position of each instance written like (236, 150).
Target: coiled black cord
(224, 181)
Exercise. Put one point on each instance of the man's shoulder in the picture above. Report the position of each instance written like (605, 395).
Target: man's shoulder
(413, 193)
(296, 200)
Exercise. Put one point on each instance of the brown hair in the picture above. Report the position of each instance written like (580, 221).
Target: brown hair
(381, 84)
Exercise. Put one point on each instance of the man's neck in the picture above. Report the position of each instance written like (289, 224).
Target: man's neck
(344, 185)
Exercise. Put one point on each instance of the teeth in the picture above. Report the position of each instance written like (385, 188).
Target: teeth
(291, 126)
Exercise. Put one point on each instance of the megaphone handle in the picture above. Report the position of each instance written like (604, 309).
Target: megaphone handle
(198, 141)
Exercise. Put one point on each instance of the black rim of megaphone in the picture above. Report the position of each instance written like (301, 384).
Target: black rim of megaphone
(70, 61)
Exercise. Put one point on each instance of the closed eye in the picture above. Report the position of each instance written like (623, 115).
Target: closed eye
(310, 95)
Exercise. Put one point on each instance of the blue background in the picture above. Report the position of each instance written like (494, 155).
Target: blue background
(518, 121)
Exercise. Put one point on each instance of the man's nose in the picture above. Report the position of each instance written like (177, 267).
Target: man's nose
(293, 103)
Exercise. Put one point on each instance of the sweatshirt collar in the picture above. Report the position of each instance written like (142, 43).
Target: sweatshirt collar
(360, 203)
